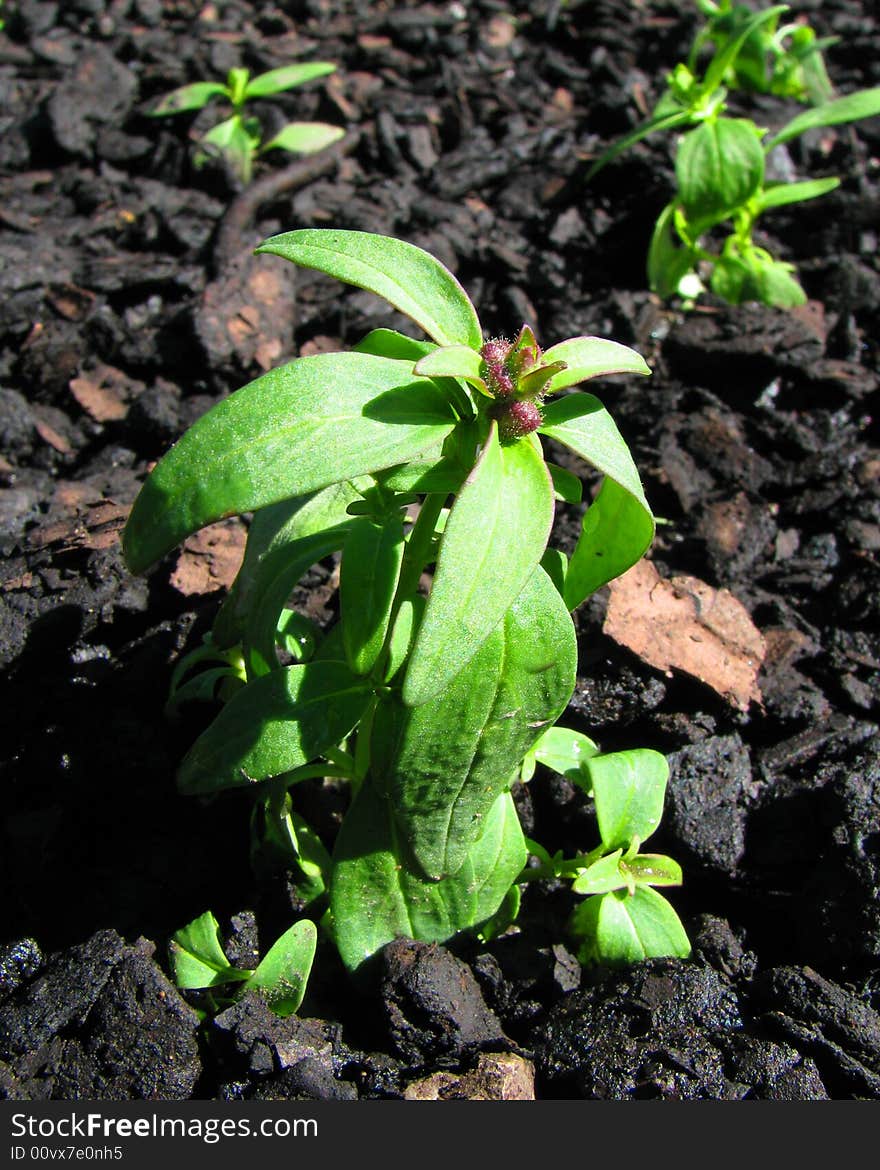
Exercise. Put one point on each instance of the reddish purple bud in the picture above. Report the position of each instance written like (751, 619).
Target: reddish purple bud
(495, 350)
(499, 380)
(518, 419)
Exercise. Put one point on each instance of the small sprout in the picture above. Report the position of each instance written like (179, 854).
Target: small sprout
(239, 138)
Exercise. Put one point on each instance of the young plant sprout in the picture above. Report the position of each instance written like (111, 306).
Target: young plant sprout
(239, 138)
(722, 180)
(404, 454)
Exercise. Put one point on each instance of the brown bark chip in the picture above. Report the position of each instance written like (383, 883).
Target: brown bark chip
(684, 624)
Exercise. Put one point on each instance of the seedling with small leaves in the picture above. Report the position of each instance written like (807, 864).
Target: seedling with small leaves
(404, 456)
(200, 964)
(239, 138)
(721, 167)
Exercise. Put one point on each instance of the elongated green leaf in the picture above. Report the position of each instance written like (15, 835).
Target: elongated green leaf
(852, 108)
(779, 194)
(407, 277)
(368, 582)
(591, 357)
(618, 527)
(668, 261)
(444, 763)
(375, 897)
(283, 973)
(316, 421)
(663, 121)
(272, 528)
(727, 54)
(188, 97)
(719, 167)
(197, 957)
(287, 77)
(276, 577)
(391, 344)
(275, 724)
(304, 137)
(619, 928)
(628, 788)
(495, 536)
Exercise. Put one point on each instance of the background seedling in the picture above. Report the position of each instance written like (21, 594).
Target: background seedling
(239, 138)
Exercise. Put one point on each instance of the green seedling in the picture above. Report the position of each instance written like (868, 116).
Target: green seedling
(624, 919)
(783, 60)
(239, 138)
(199, 964)
(723, 183)
(402, 456)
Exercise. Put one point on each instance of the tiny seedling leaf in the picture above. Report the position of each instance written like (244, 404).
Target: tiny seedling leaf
(283, 973)
(304, 137)
(628, 788)
(188, 97)
(602, 876)
(653, 869)
(197, 956)
(591, 357)
(287, 77)
(619, 928)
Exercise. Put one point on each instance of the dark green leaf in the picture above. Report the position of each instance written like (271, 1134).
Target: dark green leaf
(272, 528)
(628, 788)
(855, 106)
(719, 167)
(369, 574)
(283, 973)
(619, 928)
(197, 956)
(375, 897)
(444, 763)
(406, 625)
(410, 279)
(288, 76)
(275, 724)
(316, 421)
(495, 536)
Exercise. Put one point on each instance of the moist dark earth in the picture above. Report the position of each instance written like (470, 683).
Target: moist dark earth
(129, 303)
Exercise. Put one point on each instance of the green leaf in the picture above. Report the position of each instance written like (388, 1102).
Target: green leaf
(271, 528)
(591, 357)
(618, 526)
(276, 578)
(602, 876)
(662, 121)
(855, 106)
(276, 723)
(495, 536)
(188, 97)
(197, 957)
(443, 764)
(776, 285)
(727, 54)
(317, 421)
(628, 789)
(369, 574)
(406, 625)
(566, 485)
(653, 869)
(430, 472)
(410, 279)
(375, 897)
(304, 137)
(619, 928)
(287, 77)
(719, 167)
(668, 261)
(554, 562)
(564, 751)
(235, 142)
(779, 194)
(391, 344)
(283, 973)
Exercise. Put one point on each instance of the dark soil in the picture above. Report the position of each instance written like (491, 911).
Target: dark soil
(127, 309)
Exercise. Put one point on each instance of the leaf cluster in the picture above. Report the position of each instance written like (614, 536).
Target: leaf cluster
(402, 457)
(723, 182)
(239, 138)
